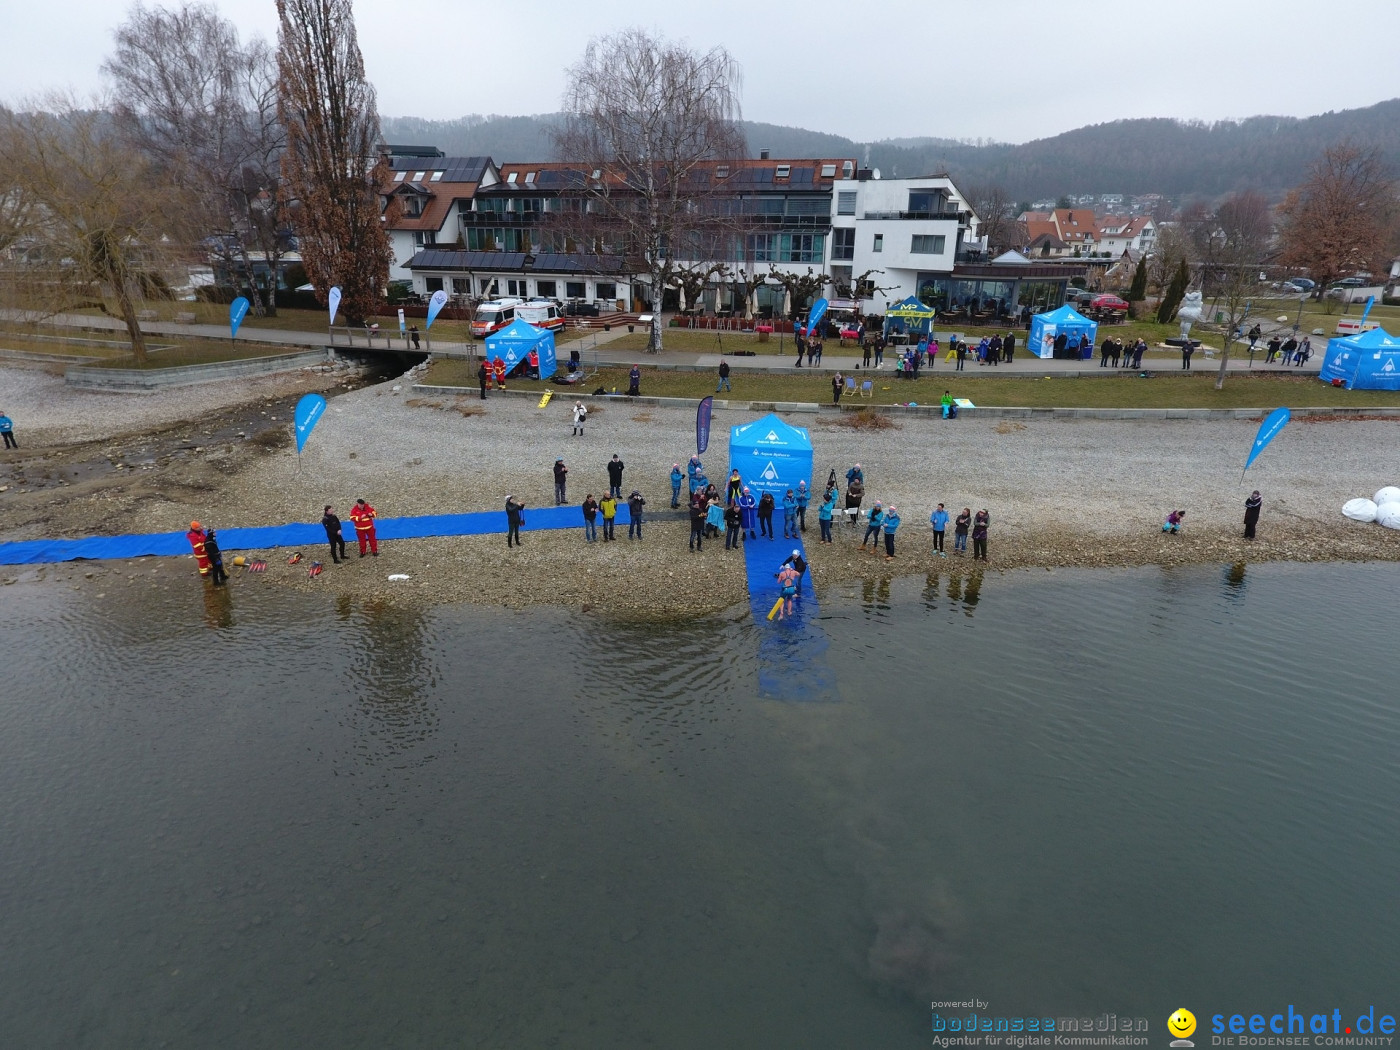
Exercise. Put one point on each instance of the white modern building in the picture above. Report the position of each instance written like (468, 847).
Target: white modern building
(910, 231)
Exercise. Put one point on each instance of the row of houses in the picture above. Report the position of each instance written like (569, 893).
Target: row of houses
(1079, 232)
(475, 228)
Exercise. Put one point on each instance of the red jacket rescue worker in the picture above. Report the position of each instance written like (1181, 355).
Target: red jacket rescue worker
(533, 360)
(196, 538)
(362, 514)
(499, 368)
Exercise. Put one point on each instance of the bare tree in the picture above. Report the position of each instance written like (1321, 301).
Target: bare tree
(1172, 247)
(802, 288)
(1343, 218)
(331, 166)
(646, 120)
(692, 278)
(996, 213)
(203, 106)
(1231, 241)
(106, 223)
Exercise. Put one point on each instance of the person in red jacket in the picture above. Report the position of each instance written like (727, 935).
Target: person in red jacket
(498, 369)
(362, 514)
(196, 537)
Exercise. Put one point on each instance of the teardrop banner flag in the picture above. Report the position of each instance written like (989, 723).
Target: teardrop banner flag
(436, 303)
(1272, 424)
(702, 424)
(1370, 302)
(815, 315)
(237, 310)
(308, 410)
(333, 301)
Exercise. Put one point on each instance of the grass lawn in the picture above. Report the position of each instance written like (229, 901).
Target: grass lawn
(1160, 391)
(47, 339)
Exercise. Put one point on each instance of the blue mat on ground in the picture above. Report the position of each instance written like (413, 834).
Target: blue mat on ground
(172, 544)
(792, 661)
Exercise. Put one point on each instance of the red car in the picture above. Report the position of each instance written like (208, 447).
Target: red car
(1108, 302)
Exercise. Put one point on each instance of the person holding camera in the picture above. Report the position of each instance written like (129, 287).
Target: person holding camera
(515, 517)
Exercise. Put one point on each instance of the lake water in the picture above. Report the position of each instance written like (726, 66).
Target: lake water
(264, 819)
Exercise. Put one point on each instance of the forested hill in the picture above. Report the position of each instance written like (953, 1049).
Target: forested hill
(1165, 156)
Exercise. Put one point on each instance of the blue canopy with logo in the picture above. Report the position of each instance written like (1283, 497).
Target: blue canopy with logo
(1045, 327)
(771, 456)
(910, 315)
(513, 343)
(1367, 361)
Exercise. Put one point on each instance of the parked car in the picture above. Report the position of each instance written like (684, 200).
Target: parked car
(1108, 302)
(1297, 286)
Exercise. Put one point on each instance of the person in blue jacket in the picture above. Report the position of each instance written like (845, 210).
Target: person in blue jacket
(825, 513)
(695, 472)
(853, 473)
(748, 511)
(790, 515)
(872, 530)
(803, 498)
(891, 524)
(7, 431)
(939, 520)
(676, 478)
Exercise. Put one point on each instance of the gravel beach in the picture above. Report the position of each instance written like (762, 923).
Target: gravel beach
(1060, 492)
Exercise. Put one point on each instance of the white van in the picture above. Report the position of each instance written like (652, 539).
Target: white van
(542, 313)
(493, 315)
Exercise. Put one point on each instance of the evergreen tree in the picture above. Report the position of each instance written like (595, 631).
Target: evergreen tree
(1175, 292)
(1137, 291)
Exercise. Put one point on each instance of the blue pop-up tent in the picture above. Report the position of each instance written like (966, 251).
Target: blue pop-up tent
(771, 456)
(513, 343)
(910, 315)
(1045, 327)
(1367, 361)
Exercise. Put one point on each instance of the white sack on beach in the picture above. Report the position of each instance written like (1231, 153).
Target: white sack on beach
(1389, 494)
(1388, 514)
(1359, 509)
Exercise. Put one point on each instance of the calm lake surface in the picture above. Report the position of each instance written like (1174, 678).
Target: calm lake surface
(265, 819)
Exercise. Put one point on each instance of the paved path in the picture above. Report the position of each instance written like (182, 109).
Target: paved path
(836, 360)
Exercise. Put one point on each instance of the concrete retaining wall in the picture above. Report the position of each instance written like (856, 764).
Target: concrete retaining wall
(137, 379)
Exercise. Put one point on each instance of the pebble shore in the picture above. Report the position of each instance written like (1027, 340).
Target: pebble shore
(1071, 493)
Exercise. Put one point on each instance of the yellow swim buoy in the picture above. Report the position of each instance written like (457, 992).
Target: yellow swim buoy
(240, 561)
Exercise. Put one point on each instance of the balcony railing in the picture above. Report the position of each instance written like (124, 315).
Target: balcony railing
(950, 214)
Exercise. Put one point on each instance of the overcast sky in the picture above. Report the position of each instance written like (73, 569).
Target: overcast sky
(1010, 70)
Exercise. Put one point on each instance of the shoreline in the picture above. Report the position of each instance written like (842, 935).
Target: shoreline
(1062, 494)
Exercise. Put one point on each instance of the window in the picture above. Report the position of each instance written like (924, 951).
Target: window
(483, 240)
(846, 202)
(437, 177)
(782, 171)
(808, 206)
(843, 243)
(848, 169)
(398, 176)
(495, 205)
(760, 247)
(427, 238)
(529, 204)
(412, 206)
(801, 247)
(606, 290)
(548, 289)
(879, 244)
(927, 244)
(433, 284)
(419, 176)
(488, 287)
(828, 171)
(597, 173)
(574, 289)
(510, 179)
(517, 288)
(461, 286)
(722, 171)
(529, 178)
